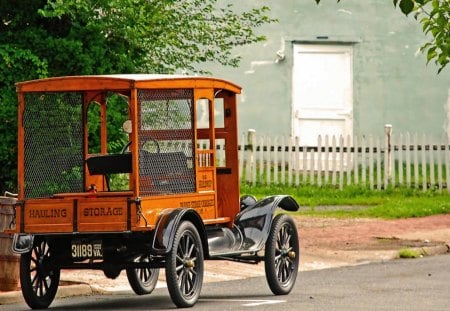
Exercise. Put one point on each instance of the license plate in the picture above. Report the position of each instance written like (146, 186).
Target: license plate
(91, 250)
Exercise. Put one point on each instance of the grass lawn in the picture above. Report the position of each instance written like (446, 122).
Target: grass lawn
(388, 204)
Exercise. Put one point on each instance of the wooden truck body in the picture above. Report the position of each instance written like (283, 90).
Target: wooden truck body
(153, 194)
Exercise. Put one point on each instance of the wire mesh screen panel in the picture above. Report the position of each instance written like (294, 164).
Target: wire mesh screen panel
(166, 140)
(53, 144)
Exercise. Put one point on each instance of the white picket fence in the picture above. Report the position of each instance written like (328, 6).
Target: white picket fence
(402, 160)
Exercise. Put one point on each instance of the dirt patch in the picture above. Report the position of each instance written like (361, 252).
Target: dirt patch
(334, 242)
(366, 234)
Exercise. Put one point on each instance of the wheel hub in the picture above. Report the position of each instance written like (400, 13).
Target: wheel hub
(288, 253)
(189, 263)
(292, 255)
(41, 267)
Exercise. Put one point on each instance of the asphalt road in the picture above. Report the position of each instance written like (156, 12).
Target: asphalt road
(409, 284)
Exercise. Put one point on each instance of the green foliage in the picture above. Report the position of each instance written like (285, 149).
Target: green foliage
(58, 184)
(16, 64)
(410, 253)
(54, 119)
(43, 38)
(119, 182)
(406, 6)
(161, 36)
(434, 15)
(116, 115)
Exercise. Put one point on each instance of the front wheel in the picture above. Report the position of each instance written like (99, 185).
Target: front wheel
(184, 266)
(142, 280)
(282, 255)
(39, 276)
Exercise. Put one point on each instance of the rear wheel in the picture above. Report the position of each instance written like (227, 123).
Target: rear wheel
(142, 280)
(282, 255)
(184, 266)
(39, 276)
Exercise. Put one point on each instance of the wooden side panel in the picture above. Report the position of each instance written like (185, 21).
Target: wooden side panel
(205, 180)
(102, 215)
(82, 214)
(204, 204)
(228, 178)
(48, 216)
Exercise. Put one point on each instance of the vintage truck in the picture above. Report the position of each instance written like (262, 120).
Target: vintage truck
(164, 199)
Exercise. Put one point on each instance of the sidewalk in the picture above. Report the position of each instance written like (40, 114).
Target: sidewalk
(325, 243)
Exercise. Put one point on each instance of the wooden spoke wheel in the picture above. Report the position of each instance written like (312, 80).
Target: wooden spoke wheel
(39, 276)
(142, 280)
(184, 266)
(282, 255)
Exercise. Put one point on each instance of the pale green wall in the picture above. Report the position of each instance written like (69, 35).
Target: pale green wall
(392, 83)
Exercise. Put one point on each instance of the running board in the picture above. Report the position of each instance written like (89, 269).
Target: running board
(229, 244)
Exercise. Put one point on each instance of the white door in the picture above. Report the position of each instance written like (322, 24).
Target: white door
(322, 100)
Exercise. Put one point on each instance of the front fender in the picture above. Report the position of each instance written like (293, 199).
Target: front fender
(255, 221)
(167, 224)
(22, 243)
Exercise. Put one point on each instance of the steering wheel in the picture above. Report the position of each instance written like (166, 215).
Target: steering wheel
(149, 139)
(124, 149)
(148, 142)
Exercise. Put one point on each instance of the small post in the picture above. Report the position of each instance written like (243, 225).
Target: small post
(251, 167)
(388, 132)
(251, 138)
(448, 116)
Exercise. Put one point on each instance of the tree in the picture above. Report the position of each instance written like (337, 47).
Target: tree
(16, 64)
(52, 38)
(160, 36)
(434, 15)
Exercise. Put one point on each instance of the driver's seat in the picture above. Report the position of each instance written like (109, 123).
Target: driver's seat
(107, 164)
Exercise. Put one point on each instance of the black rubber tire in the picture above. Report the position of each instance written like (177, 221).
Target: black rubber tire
(39, 277)
(142, 280)
(281, 257)
(184, 266)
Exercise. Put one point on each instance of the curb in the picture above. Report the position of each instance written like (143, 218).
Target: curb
(10, 297)
(427, 251)
(74, 290)
(435, 250)
(63, 292)
(86, 289)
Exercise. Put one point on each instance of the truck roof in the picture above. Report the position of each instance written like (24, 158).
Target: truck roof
(124, 82)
